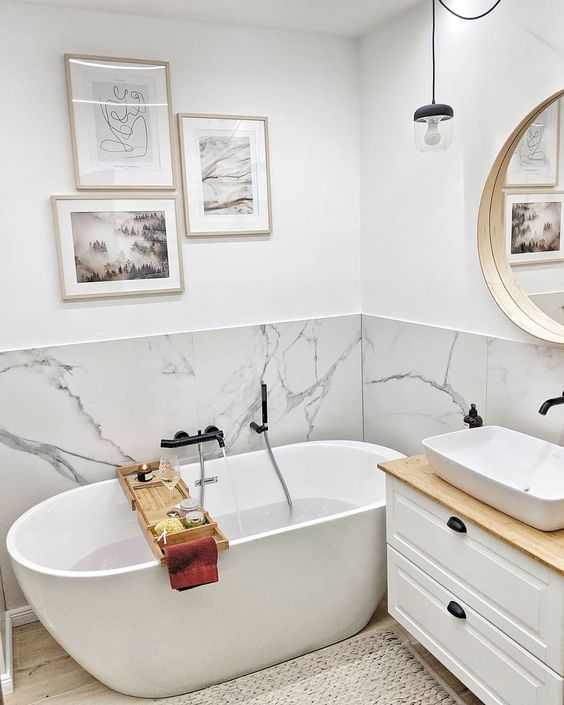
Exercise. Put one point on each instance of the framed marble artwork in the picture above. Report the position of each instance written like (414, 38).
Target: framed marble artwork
(535, 159)
(118, 245)
(533, 223)
(121, 123)
(225, 169)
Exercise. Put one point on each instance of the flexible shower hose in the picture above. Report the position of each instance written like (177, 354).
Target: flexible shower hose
(277, 469)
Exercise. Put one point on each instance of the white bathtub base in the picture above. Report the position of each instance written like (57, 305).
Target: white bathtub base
(281, 594)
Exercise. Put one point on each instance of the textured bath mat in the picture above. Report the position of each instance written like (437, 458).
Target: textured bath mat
(376, 669)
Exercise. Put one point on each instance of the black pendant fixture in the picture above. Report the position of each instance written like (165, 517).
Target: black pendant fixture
(434, 123)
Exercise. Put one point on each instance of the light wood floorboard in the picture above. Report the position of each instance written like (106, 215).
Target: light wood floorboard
(44, 674)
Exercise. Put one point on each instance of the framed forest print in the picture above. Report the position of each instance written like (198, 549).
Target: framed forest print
(120, 116)
(533, 224)
(225, 169)
(117, 245)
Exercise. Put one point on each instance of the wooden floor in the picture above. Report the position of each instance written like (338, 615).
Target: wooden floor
(45, 673)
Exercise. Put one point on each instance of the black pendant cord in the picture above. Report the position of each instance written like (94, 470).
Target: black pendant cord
(433, 42)
(465, 17)
(461, 17)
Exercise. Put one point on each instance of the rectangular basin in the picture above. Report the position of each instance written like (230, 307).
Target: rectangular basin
(515, 473)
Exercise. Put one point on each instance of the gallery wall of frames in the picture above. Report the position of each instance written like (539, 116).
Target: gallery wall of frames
(145, 182)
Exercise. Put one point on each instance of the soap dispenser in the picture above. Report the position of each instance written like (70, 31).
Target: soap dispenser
(472, 418)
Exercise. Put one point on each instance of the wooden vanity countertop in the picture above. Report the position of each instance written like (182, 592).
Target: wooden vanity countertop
(547, 547)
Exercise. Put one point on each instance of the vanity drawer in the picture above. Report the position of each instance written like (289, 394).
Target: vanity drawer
(493, 666)
(512, 591)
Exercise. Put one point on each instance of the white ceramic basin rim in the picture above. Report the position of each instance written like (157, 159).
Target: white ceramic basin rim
(518, 474)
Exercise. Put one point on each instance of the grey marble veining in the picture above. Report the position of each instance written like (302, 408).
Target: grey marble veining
(418, 381)
(520, 377)
(309, 367)
(70, 415)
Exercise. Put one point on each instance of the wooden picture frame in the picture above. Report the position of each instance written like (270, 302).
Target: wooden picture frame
(541, 141)
(534, 218)
(213, 144)
(120, 115)
(140, 272)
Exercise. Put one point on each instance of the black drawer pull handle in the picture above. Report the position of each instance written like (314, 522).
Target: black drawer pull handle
(457, 525)
(456, 610)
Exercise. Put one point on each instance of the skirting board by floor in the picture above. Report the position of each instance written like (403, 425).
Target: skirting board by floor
(14, 618)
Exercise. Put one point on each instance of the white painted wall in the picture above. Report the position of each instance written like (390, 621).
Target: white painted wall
(419, 211)
(306, 84)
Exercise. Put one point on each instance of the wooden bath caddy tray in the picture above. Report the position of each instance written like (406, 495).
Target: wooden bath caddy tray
(151, 501)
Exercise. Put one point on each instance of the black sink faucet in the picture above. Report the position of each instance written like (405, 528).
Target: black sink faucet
(181, 438)
(549, 403)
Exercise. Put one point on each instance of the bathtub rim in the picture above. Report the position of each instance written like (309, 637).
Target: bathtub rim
(21, 560)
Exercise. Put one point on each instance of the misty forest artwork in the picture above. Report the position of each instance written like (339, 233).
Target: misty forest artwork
(535, 230)
(113, 246)
(117, 245)
(226, 174)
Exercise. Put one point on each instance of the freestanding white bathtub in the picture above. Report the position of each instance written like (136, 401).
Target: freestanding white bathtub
(287, 586)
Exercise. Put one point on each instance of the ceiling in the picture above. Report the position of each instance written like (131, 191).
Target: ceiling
(349, 18)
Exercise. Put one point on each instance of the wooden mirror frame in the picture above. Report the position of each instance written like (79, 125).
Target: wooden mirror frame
(509, 296)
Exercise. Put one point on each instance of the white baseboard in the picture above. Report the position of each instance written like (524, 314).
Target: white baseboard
(21, 615)
(14, 618)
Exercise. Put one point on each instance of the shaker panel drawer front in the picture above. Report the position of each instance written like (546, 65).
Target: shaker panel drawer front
(517, 594)
(492, 665)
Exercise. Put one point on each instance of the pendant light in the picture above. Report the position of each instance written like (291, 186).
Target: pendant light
(434, 123)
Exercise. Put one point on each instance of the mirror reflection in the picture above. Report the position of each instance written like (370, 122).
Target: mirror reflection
(534, 210)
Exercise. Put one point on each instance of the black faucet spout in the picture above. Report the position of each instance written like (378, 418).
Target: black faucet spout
(549, 403)
(182, 439)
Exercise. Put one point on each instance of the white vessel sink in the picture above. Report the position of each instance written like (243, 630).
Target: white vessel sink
(515, 473)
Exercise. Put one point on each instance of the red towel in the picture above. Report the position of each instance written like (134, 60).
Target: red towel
(192, 563)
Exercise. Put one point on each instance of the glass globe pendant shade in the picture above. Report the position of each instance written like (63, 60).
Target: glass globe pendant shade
(433, 127)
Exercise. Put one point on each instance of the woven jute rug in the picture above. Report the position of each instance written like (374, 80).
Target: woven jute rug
(375, 669)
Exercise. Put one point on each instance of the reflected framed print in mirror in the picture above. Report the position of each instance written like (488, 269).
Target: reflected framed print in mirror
(118, 245)
(536, 157)
(225, 170)
(121, 124)
(533, 223)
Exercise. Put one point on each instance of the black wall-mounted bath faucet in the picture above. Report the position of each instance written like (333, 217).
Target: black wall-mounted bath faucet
(181, 438)
(264, 402)
(549, 403)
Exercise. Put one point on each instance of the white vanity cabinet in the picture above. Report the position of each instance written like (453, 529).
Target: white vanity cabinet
(491, 614)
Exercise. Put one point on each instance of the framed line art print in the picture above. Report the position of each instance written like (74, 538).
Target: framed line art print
(225, 170)
(121, 124)
(117, 245)
(535, 159)
(533, 224)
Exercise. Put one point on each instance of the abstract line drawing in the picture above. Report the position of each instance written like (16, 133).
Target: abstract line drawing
(535, 159)
(124, 113)
(531, 152)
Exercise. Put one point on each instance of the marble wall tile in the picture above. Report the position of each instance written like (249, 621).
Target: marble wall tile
(313, 372)
(520, 377)
(418, 381)
(71, 414)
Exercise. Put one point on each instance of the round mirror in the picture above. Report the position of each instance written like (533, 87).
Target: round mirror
(520, 224)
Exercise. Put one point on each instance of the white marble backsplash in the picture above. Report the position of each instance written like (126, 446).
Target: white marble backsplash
(420, 381)
(70, 415)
